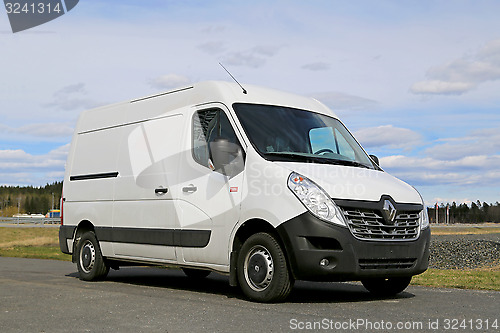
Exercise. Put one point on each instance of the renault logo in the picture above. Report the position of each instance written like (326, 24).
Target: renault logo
(389, 211)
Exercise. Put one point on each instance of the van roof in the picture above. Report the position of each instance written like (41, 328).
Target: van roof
(196, 94)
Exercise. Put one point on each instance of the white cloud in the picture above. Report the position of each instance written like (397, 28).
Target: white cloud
(245, 59)
(467, 171)
(214, 47)
(169, 81)
(71, 97)
(340, 101)
(461, 166)
(253, 58)
(401, 162)
(267, 50)
(464, 74)
(441, 87)
(40, 131)
(19, 162)
(47, 130)
(30, 178)
(60, 153)
(480, 142)
(316, 66)
(214, 29)
(388, 135)
(439, 200)
(12, 155)
(71, 89)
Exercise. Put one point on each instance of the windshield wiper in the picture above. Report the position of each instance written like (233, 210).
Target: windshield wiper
(294, 157)
(325, 160)
(353, 163)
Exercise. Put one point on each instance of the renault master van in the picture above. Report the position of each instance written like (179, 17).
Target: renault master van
(263, 186)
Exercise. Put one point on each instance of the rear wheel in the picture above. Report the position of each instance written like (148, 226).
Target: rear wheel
(262, 269)
(386, 286)
(196, 273)
(90, 263)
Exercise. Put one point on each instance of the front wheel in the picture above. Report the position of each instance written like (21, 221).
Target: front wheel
(90, 263)
(386, 286)
(262, 269)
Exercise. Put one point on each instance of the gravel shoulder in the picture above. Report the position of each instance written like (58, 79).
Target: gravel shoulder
(465, 251)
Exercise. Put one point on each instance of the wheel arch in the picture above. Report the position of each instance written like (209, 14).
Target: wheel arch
(83, 227)
(245, 230)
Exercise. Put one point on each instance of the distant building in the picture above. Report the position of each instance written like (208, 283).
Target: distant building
(53, 213)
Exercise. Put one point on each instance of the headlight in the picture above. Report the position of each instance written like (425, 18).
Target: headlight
(315, 199)
(424, 218)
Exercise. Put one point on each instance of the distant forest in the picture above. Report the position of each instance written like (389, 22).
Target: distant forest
(39, 200)
(477, 212)
(29, 199)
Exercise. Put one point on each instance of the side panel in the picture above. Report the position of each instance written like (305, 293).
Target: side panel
(148, 161)
(95, 155)
(90, 179)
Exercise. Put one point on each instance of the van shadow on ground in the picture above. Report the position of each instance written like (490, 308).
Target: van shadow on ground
(217, 284)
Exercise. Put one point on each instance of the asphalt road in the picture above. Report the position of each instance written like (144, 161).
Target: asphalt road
(47, 296)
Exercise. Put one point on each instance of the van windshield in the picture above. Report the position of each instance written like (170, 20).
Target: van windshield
(287, 134)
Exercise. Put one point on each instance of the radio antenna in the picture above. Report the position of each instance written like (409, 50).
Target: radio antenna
(244, 91)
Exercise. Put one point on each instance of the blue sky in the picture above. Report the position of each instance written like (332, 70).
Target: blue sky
(417, 82)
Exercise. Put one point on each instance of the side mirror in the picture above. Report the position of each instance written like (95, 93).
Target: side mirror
(223, 153)
(375, 159)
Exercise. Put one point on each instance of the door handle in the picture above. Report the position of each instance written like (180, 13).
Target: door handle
(161, 191)
(189, 189)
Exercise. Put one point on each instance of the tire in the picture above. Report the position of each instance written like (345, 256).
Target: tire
(262, 269)
(196, 273)
(89, 260)
(386, 286)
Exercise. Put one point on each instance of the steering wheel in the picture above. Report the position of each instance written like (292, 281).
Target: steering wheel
(324, 150)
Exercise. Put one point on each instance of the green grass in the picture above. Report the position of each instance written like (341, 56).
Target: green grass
(485, 278)
(24, 234)
(40, 243)
(36, 252)
(465, 230)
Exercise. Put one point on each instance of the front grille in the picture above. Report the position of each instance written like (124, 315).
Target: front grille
(386, 263)
(370, 225)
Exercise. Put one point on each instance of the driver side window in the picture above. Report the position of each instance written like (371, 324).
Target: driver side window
(210, 126)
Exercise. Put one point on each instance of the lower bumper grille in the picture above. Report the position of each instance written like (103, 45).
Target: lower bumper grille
(387, 263)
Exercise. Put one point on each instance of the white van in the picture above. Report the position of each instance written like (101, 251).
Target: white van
(264, 186)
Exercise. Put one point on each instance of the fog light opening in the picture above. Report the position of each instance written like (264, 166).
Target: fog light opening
(324, 262)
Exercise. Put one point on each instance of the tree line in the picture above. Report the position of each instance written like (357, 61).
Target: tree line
(29, 199)
(477, 212)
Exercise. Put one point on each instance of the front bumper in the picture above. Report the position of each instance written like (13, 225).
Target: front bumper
(308, 240)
